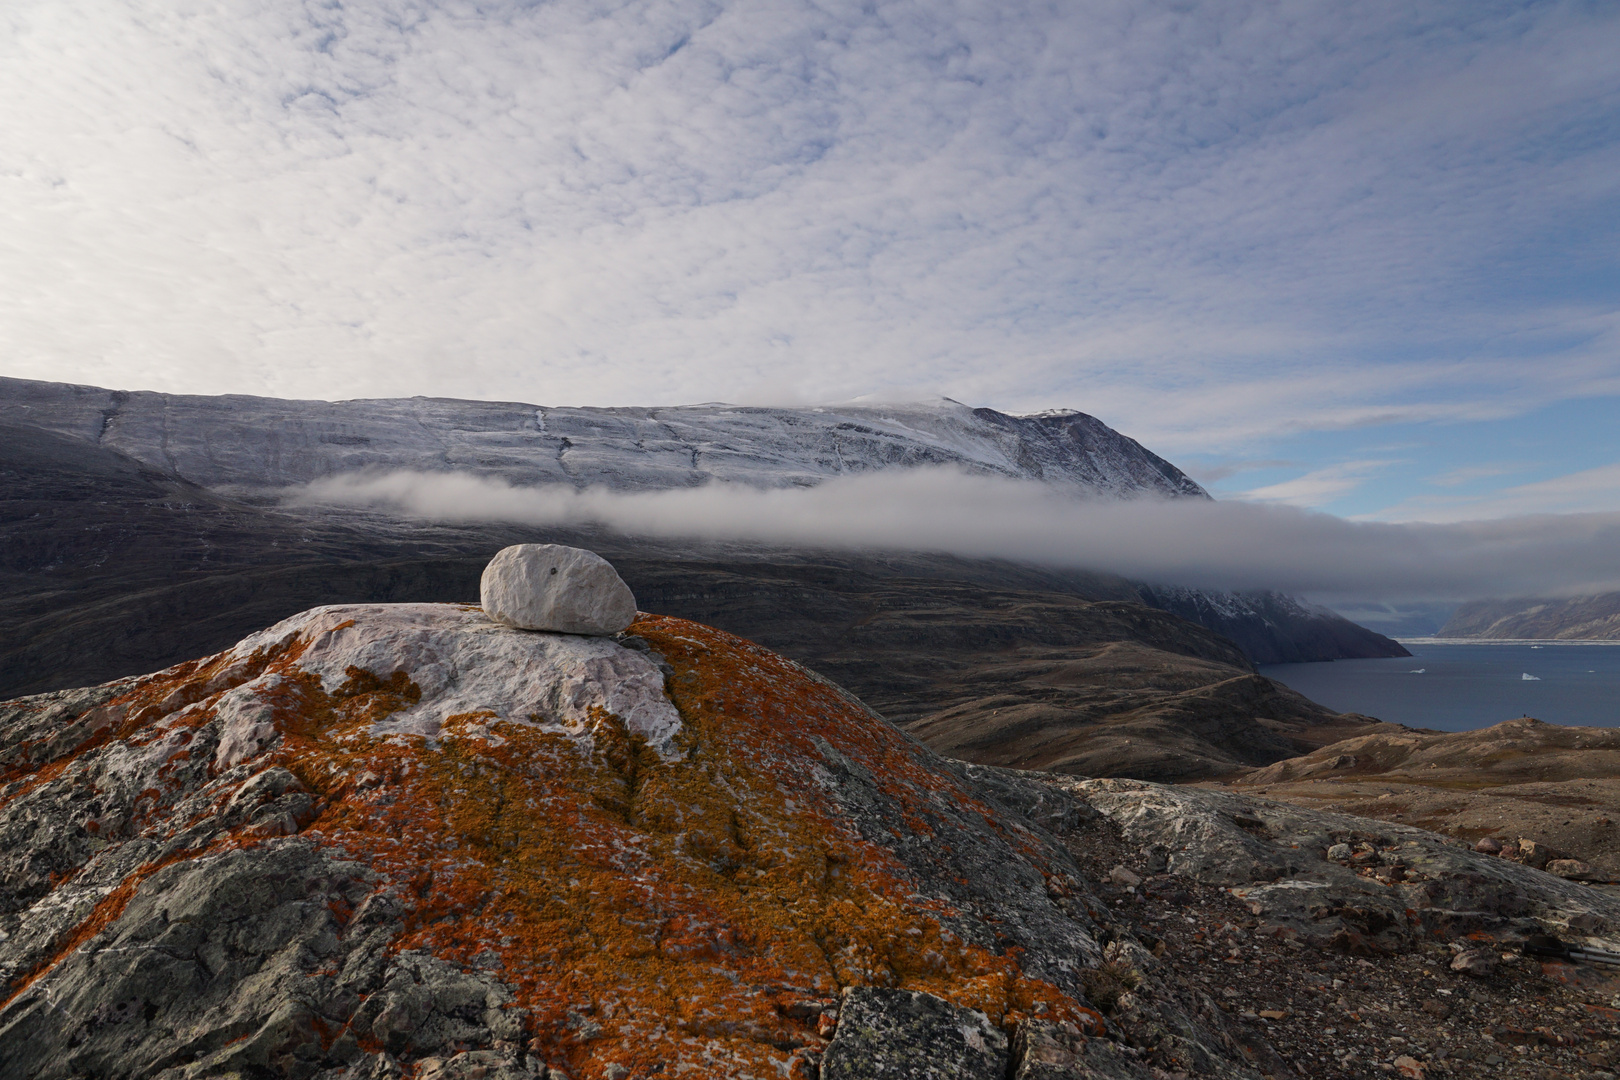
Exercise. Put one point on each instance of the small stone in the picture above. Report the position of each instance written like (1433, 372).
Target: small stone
(1437, 1009)
(551, 587)
(615, 1071)
(1537, 854)
(1477, 962)
(1488, 845)
(1338, 853)
(1274, 1014)
(1409, 1066)
(1124, 878)
(1568, 868)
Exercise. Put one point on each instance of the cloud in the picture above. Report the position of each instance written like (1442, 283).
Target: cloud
(1594, 490)
(1467, 474)
(1209, 223)
(1229, 545)
(1207, 473)
(1319, 485)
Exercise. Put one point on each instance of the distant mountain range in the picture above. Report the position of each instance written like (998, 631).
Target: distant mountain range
(1578, 618)
(236, 447)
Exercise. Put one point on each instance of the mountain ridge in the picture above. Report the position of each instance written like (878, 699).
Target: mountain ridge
(255, 443)
(1576, 618)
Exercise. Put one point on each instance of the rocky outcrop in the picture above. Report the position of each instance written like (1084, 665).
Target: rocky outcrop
(1343, 882)
(554, 587)
(375, 841)
(383, 842)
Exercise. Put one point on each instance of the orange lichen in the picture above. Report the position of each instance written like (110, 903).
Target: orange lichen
(644, 912)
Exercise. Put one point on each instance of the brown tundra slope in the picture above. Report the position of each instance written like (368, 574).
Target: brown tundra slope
(1523, 779)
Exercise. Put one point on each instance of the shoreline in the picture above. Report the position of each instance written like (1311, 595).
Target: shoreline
(1505, 641)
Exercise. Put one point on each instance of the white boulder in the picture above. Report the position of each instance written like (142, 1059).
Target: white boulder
(551, 587)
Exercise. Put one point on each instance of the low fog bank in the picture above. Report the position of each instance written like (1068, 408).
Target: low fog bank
(1219, 545)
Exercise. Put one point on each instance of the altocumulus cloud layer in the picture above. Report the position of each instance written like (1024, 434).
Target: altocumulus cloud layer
(1205, 221)
(1228, 545)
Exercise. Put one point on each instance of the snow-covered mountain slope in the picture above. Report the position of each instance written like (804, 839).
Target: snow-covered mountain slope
(250, 442)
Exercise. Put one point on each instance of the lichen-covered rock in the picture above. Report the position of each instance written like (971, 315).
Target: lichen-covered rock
(552, 587)
(907, 1035)
(373, 840)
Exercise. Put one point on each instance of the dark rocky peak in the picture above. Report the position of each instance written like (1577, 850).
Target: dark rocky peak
(1068, 446)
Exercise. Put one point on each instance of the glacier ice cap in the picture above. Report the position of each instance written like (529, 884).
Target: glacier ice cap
(551, 587)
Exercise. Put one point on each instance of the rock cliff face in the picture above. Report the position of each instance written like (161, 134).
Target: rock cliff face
(375, 838)
(108, 568)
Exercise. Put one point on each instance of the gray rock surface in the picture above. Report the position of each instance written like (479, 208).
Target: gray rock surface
(908, 1035)
(1348, 882)
(1043, 1050)
(552, 587)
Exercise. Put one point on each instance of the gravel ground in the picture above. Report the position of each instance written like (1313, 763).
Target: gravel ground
(1331, 1015)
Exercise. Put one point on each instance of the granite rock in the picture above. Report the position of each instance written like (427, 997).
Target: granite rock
(551, 587)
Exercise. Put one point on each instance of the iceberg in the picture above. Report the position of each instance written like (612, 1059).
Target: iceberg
(1527, 677)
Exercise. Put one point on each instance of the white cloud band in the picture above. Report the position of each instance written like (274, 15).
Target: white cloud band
(1211, 544)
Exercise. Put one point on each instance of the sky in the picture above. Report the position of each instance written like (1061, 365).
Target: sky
(1359, 258)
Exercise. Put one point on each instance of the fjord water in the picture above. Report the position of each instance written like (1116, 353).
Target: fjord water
(1459, 687)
